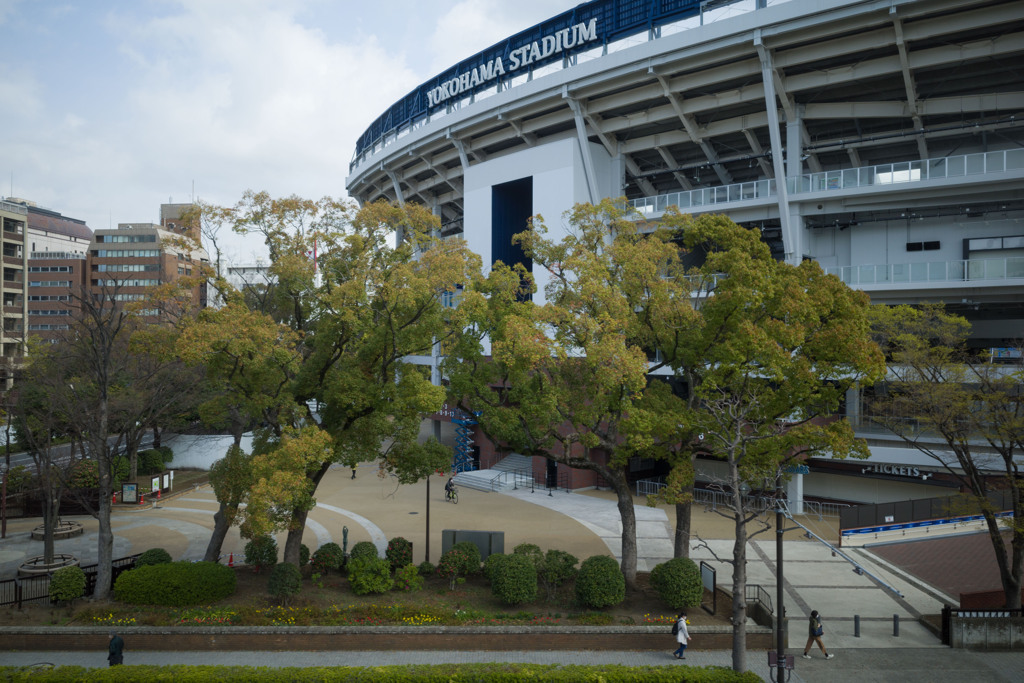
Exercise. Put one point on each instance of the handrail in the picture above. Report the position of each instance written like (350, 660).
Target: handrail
(963, 270)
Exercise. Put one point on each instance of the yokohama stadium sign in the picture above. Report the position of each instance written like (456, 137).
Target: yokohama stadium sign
(533, 52)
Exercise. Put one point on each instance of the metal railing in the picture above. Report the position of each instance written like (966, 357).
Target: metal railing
(842, 179)
(715, 499)
(909, 171)
(964, 270)
(757, 594)
(518, 478)
(34, 588)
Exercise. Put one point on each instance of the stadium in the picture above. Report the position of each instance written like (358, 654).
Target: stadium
(878, 138)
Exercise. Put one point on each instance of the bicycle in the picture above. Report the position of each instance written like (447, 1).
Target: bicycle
(452, 495)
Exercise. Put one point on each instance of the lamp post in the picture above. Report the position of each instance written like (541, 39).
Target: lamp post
(780, 645)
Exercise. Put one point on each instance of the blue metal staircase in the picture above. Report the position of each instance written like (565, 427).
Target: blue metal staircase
(463, 461)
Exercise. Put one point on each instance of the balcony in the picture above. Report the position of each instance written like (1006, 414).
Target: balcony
(975, 270)
(985, 163)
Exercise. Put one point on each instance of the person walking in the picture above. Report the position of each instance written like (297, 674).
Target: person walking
(115, 649)
(682, 635)
(814, 633)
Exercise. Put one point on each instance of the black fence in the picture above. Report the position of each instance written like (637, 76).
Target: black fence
(908, 511)
(35, 588)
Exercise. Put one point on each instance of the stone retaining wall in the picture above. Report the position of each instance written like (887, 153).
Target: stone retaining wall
(373, 638)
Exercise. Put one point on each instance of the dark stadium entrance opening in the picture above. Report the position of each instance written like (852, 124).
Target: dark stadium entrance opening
(511, 208)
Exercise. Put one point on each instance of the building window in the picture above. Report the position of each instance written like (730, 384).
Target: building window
(923, 246)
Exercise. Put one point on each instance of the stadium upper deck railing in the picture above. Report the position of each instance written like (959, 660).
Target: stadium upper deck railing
(898, 173)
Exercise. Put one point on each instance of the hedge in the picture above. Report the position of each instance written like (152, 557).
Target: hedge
(600, 582)
(423, 673)
(178, 584)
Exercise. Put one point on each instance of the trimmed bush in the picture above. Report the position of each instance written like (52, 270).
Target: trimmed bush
(67, 584)
(600, 582)
(559, 567)
(426, 568)
(328, 557)
(453, 566)
(261, 552)
(678, 583)
(531, 551)
(19, 478)
(492, 565)
(285, 581)
(515, 580)
(399, 552)
(472, 553)
(369, 575)
(363, 549)
(152, 460)
(303, 555)
(408, 578)
(153, 556)
(178, 584)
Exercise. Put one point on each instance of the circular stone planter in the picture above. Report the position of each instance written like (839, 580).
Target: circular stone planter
(35, 566)
(62, 530)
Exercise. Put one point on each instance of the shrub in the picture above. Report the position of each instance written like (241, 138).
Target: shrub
(363, 549)
(600, 582)
(399, 552)
(285, 581)
(178, 584)
(472, 554)
(153, 556)
(151, 461)
(328, 557)
(426, 568)
(261, 552)
(408, 578)
(678, 583)
(492, 565)
(559, 567)
(369, 575)
(67, 584)
(303, 554)
(531, 551)
(19, 478)
(453, 564)
(515, 582)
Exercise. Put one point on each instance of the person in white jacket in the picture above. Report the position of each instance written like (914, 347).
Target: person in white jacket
(682, 636)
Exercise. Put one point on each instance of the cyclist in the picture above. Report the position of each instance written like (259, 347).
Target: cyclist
(449, 488)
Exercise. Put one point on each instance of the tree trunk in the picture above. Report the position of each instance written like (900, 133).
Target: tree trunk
(156, 437)
(51, 510)
(105, 542)
(739, 576)
(220, 532)
(298, 526)
(681, 545)
(624, 497)
(1009, 563)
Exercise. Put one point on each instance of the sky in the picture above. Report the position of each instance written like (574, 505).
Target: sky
(111, 107)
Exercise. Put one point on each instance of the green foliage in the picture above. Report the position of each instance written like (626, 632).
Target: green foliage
(303, 555)
(399, 552)
(472, 554)
(426, 568)
(559, 567)
(453, 565)
(600, 582)
(19, 478)
(153, 460)
(492, 565)
(328, 557)
(85, 474)
(678, 583)
(369, 574)
(261, 552)
(363, 549)
(532, 551)
(285, 581)
(515, 582)
(408, 578)
(67, 584)
(153, 556)
(420, 673)
(177, 584)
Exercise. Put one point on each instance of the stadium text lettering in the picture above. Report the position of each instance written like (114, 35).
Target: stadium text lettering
(549, 45)
(898, 470)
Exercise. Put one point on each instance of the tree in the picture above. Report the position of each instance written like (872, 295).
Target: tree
(563, 380)
(964, 412)
(341, 386)
(767, 354)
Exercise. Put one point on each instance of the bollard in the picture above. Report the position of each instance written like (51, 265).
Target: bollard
(856, 626)
(896, 625)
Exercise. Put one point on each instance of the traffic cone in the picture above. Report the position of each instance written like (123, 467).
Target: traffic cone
(231, 559)
(142, 498)
(158, 494)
